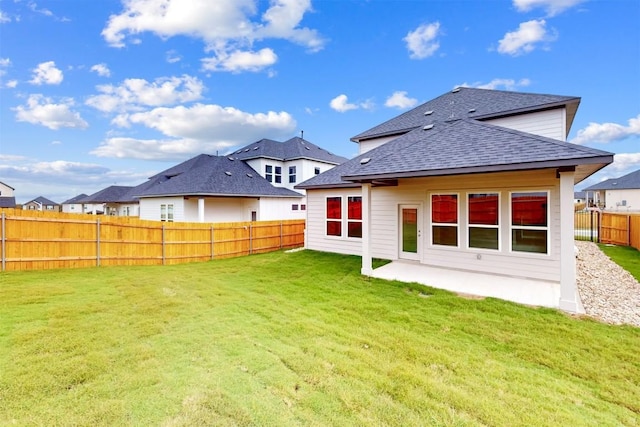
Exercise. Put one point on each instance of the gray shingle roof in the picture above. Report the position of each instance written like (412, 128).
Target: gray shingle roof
(472, 103)
(459, 147)
(7, 202)
(43, 201)
(629, 181)
(292, 149)
(112, 194)
(74, 200)
(206, 175)
(452, 139)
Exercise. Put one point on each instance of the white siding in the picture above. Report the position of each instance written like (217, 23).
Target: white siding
(150, 208)
(384, 223)
(305, 169)
(5, 190)
(550, 123)
(370, 144)
(272, 209)
(623, 200)
(316, 237)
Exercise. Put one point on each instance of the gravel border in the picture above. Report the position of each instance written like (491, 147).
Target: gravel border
(608, 292)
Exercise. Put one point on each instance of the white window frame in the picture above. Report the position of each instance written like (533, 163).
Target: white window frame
(547, 228)
(432, 223)
(344, 216)
(469, 225)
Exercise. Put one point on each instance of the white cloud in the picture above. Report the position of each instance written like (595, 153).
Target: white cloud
(4, 64)
(102, 70)
(340, 104)
(525, 39)
(46, 73)
(240, 61)
(607, 132)
(4, 18)
(133, 94)
(42, 111)
(173, 56)
(194, 130)
(624, 163)
(12, 84)
(552, 7)
(422, 42)
(506, 84)
(399, 99)
(225, 26)
(60, 180)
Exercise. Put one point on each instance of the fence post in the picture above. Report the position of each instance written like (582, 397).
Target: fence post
(4, 248)
(163, 250)
(212, 237)
(98, 242)
(628, 230)
(250, 239)
(598, 224)
(280, 234)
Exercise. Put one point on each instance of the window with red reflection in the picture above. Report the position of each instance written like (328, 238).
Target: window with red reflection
(354, 216)
(334, 216)
(444, 219)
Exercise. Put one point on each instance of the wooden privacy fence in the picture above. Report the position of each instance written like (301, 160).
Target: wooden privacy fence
(620, 229)
(32, 240)
(608, 227)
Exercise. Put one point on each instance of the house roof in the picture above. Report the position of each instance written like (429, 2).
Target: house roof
(112, 194)
(42, 201)
(472, 103)
(437, 144)
(292, 149)
(7, 202)
(206, 175)
(74, 200)
(630, 181)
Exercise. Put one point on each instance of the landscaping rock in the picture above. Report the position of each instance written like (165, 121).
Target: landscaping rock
(609, 293)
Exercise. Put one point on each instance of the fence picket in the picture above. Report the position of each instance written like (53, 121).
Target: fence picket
(38, 240)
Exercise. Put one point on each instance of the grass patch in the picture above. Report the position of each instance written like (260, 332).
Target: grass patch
(297, 339)
(626, 257)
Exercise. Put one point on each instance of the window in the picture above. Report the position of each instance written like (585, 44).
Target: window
(268, 173)
(303, 207)
(166, 213)
(336, 220)
(354, 216)
(484, 211)
(294, 207)
(292, 174)
(278, 174)
(444, 219)
(334, 216)
(530, 222)
(316, 171)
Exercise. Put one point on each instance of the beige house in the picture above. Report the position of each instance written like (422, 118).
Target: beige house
(471, 191)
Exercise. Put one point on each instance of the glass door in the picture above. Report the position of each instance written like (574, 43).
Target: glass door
(409, 232)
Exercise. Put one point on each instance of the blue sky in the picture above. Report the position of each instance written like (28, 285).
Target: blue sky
(97, 93)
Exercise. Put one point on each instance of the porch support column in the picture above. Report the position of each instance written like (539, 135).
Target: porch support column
(367, 264)
(201, 209)
(569, 299)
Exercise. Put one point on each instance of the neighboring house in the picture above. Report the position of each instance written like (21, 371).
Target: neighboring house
(73, 205)
(474, 181)
(114, 200)
(41, 204)
(7, 199)
(215, 189)
(253, 183)
(617, 194)
(579, 197)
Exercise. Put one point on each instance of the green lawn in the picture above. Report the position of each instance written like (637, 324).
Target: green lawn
(625, 256)
(297, 339)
